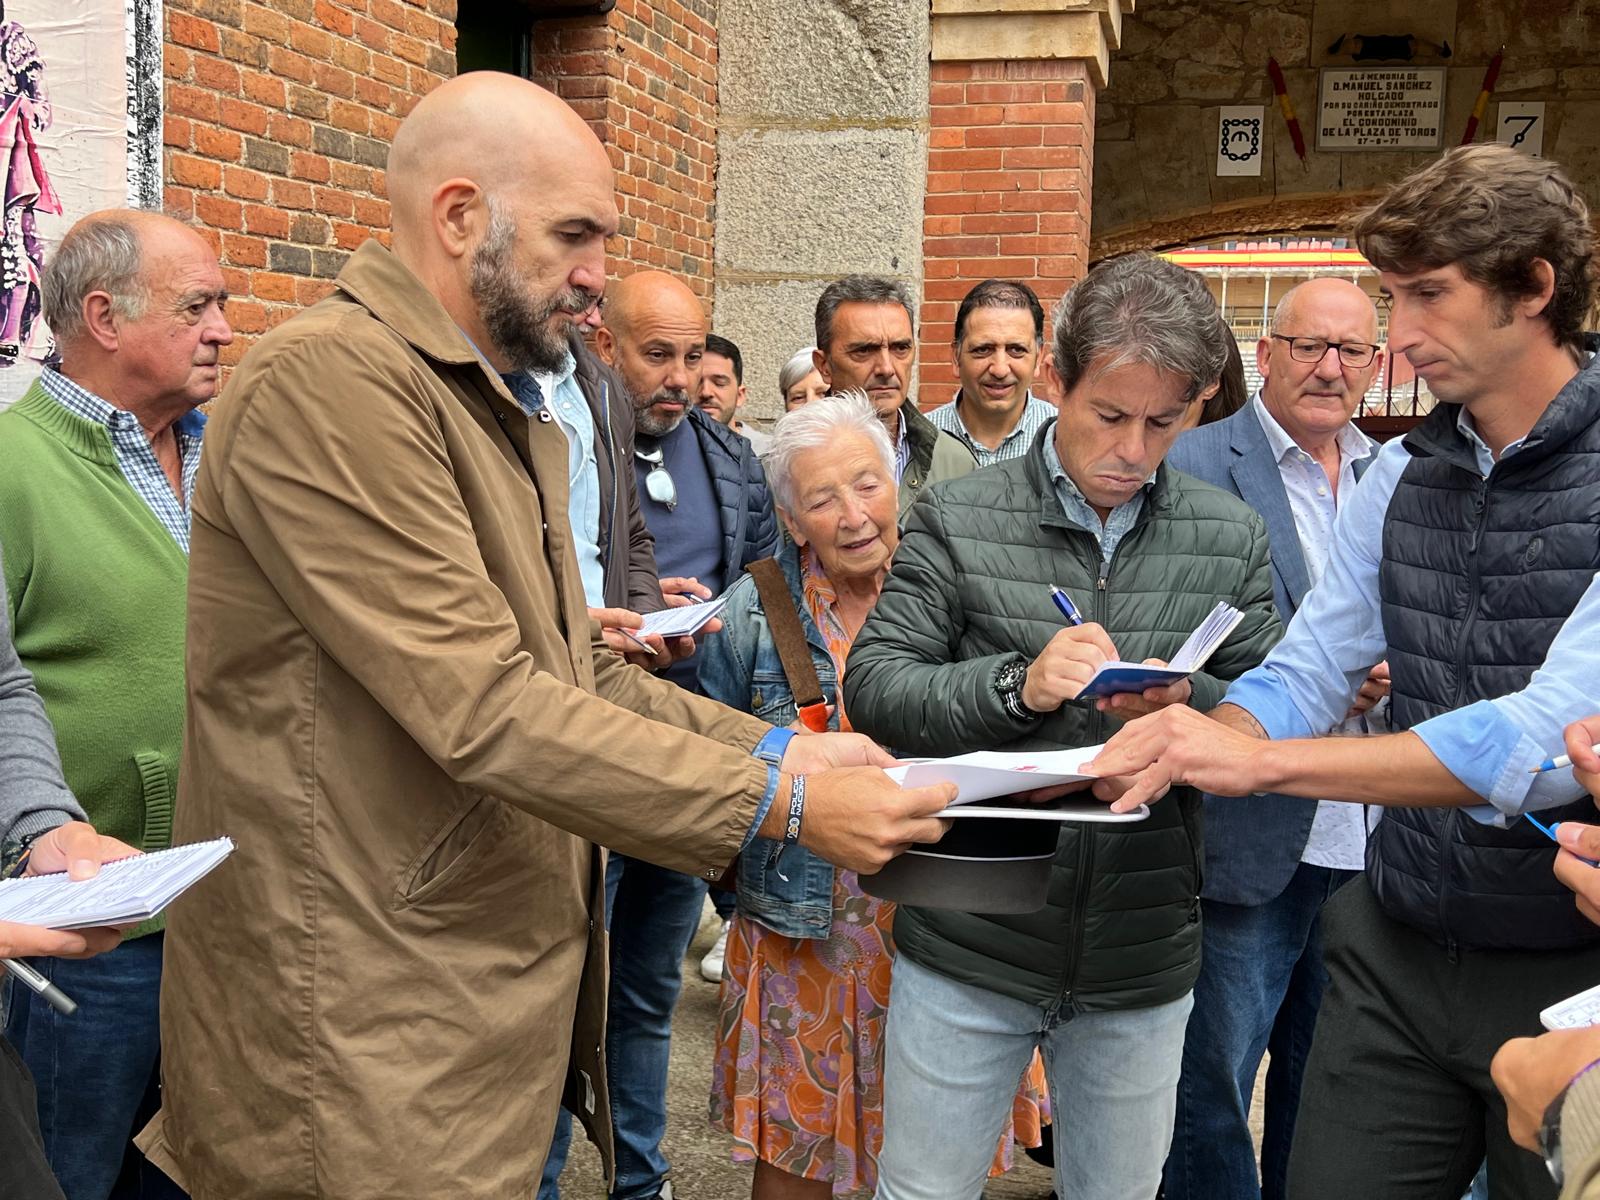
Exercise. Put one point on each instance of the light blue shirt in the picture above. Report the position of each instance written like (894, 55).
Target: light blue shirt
(902, 446)
(1078, 509)
(572, 412)
(1035, 414)
(1307, 683)
(135, 458)
(1338, 836)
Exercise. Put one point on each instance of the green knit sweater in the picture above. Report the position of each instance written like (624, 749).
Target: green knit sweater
(95, 589)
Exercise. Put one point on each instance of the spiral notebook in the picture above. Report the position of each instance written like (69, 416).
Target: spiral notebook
(125, 892)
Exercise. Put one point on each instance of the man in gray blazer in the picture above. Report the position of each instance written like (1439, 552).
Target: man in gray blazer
(1293, 455)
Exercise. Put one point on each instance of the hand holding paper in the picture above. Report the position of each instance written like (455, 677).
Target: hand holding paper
(1112, 678)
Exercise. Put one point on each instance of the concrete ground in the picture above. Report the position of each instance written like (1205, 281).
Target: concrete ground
(701, 1169)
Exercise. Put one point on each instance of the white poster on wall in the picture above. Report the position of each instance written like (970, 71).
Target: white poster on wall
(1380, 108)
(1521, 126)
(80, 130)
(1241, 139)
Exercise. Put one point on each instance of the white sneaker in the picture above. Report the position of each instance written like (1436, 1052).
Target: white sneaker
(711, 964)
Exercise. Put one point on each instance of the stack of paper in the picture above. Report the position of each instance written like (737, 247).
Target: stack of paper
(1116, 677)
(125, 892)
(990, 774)
(683, 621)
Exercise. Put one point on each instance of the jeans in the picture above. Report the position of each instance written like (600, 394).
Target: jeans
(954, 1055)
(652, 914)
(1397, 1102)
(96, 1072)
(1261, 980)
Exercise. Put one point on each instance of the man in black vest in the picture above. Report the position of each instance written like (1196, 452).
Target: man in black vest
(1467, 558)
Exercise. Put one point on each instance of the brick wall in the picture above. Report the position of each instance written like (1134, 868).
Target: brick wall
(277, 126)
(1009, 170)
(645, 76)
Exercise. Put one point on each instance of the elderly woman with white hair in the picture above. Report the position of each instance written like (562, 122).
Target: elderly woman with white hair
(798, 1077)
(800, 382)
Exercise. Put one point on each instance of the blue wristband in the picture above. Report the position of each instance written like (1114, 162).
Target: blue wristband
(774, 744)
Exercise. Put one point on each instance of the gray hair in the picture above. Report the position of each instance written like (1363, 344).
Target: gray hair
(1140, 309)
(818, 424)
(796, 369)
(103, 255)
(859, 289)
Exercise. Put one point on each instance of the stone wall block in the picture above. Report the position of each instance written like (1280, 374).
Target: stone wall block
(818, 60)
(808, 201)
(768, 320)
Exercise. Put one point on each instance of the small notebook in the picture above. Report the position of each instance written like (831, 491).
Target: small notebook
(1114, 678)
(125, 892)
(684, 620)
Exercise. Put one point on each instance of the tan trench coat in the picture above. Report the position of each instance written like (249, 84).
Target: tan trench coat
(399, 710)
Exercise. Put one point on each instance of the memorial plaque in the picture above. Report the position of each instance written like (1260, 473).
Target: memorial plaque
(1381, 108)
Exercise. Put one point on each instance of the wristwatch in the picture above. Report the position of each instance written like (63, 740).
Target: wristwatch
(1008, 681)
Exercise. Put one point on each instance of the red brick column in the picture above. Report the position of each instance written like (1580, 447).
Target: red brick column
(277, 125)
(645, 77)
(1009, 171)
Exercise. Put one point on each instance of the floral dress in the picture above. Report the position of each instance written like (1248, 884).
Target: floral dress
(798, 1074)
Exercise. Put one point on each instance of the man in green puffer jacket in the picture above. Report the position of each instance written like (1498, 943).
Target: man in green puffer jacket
(965, 651)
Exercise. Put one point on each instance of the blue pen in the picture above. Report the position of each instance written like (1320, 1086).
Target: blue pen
(1550, 832)
(1554, 764)
(1069, 610)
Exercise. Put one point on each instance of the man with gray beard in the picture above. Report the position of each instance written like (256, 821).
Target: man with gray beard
(706, 502)
(588, 400)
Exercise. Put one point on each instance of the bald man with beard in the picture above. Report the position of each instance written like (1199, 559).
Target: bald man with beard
(402, 713)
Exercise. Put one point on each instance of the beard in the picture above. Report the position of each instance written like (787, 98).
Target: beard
(654, 424)
(522, 327)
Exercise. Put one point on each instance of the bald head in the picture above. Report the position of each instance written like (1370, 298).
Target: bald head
(499, 131)
(502, 202)
(655, 335)
(651, 292)
(1316, 297)
(1311, 396)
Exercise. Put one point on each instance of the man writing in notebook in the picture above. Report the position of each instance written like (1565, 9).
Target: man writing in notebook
(965, 651)
(1467, 558)
(403, 715)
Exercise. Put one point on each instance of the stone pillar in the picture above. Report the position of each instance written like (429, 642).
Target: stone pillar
(1010, 157)
(822, 156)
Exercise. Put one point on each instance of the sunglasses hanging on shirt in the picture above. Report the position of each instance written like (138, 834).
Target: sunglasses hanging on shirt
(658, 483)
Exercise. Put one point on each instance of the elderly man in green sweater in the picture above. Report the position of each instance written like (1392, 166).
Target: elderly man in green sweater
(100, 456)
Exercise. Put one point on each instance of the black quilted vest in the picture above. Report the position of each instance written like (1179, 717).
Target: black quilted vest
(1476, 579)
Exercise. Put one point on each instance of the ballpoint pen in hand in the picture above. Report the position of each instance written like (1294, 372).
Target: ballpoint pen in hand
(1064, 603)
(1554, 764)
(27, 976)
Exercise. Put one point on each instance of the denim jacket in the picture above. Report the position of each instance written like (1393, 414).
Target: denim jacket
(740, 667)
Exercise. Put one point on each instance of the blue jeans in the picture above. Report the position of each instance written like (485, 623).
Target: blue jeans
(1261, 981)
(954, 1055)
(652, 914)
(97, 1072)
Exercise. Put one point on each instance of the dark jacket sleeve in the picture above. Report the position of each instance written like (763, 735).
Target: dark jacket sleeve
(1257, 633)
(903, 685)
(644, 585)
(33, 795)
(764, 537)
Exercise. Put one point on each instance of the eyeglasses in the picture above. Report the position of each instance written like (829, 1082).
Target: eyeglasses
(1310, 350)
(658, 483)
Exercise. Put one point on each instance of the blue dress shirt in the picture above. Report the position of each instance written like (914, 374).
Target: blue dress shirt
(1307, 683)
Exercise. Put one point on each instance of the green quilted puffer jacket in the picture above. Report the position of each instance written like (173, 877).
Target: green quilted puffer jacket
(969, 591)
